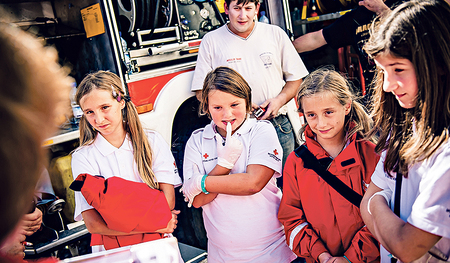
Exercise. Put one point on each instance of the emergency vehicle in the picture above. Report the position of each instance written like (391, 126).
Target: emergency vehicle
(152, 45)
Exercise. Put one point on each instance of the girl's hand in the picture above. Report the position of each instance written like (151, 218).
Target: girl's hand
(324, 257)
(193, 186)
(172, 225)
(228, 153)
(336, 260)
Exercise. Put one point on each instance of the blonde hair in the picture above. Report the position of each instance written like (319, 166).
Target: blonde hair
(35, 92)
(418, 31)
(142, 151)
(326, 79)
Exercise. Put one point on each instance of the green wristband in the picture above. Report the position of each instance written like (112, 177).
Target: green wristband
(203, 184)
(347, 259)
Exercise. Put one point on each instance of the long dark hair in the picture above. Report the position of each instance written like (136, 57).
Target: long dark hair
(418, 31)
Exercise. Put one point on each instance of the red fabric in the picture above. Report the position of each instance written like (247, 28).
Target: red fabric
(331, 223)
(7, 259)
(126, 206)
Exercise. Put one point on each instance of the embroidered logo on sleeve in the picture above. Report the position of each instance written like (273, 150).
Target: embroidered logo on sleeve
(274, 155)
(206, 156)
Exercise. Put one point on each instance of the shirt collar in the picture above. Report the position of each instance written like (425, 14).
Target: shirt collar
(210, 131)
(244, 38)
(105, 148)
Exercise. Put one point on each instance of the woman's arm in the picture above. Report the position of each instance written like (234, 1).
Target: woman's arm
(96, 225)
(402, 239)
(202, 198)
(249, 183)
(169, 193)
(368, 220)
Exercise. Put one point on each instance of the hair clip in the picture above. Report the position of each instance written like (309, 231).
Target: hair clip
(114, 93)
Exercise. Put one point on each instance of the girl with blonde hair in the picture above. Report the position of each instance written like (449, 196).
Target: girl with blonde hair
(114, 143)
(322, 225)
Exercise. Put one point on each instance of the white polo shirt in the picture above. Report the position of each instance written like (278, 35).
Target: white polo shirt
(425, 196)
(101, 158)
(242, 228)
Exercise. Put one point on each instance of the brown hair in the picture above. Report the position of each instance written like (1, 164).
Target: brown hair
(243, 2)
(227, 80)
(326, 79)
(418, 31)
(35, 93)
(142, 151)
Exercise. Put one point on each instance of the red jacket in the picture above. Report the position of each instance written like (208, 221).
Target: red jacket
(125, 206)
(316, 218)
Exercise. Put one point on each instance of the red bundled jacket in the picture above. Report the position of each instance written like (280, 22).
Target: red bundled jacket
(318, 219)
(125, 206)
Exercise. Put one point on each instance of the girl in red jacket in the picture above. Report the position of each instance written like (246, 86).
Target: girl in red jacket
(320, 224)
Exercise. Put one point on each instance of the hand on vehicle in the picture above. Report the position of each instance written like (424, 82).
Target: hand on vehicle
(31, 222)
(192, 186)
(228, 153)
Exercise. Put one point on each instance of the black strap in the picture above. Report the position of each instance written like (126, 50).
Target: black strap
(398, 191)
(343, 189)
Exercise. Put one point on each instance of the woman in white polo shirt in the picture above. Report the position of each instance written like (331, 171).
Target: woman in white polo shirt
(230, 170)
(113, 143)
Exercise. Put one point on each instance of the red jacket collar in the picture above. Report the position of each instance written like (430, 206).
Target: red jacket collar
(347, 159)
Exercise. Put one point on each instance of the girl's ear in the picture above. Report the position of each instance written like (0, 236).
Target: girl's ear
(122, 103)
(348, 107)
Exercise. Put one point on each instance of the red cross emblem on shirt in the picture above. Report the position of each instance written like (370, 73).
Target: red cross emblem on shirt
(206, 155)
(275, 152)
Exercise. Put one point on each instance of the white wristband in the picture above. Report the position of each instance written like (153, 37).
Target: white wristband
(386, 193)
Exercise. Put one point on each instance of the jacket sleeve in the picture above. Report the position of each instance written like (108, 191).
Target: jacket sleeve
(364, 247)
(300, 236)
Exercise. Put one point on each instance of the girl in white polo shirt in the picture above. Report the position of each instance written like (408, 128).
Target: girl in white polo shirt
(230, 170)
(113, 143)
(407, 205)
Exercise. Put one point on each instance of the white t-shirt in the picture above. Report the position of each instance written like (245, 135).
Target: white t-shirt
(425, 196)
(101, 158)
(265, 59)
(242, 228)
